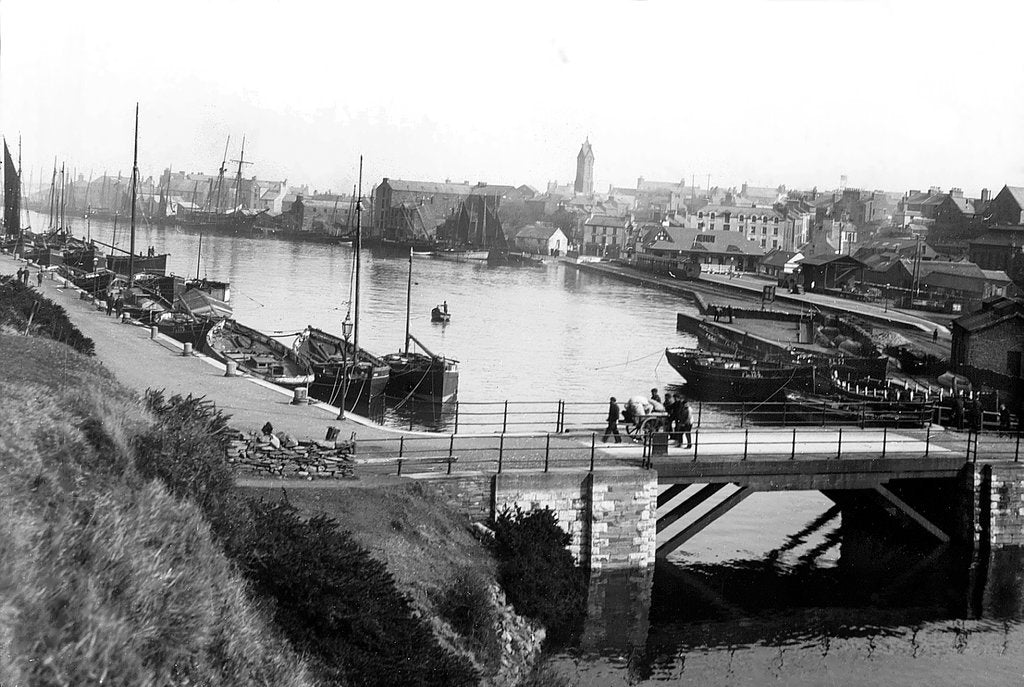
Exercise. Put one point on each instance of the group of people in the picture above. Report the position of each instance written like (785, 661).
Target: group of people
(967, 413)
(115, 304)
(671, 415)
(23, 275)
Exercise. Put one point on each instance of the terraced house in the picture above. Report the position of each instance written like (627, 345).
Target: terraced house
(763, 226)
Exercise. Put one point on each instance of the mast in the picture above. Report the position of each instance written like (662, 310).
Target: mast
(238, 179)
(135, 173)
(358, 244)
(408, 302)
(220, 174)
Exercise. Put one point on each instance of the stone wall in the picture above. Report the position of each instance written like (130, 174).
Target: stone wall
(468, 493)
(296, 459)
(566, 492)
(610, 515)
(992, 506)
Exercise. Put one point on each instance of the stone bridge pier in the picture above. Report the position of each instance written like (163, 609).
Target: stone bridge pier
(610, 514)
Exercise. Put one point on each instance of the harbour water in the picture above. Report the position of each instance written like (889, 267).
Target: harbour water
(760, 597)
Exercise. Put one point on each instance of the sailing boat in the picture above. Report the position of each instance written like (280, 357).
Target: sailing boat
(12, 199)
(422, 376)
(344, 374)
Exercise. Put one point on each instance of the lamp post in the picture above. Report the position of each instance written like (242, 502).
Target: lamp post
(346, 331)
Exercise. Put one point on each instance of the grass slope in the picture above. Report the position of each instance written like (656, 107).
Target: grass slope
(105, 578)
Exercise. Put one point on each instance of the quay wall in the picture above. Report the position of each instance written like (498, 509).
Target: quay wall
(610, 515)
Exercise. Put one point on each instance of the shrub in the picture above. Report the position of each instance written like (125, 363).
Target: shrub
(26, 309)
(468, 607)
(536, 570)
(339, 605)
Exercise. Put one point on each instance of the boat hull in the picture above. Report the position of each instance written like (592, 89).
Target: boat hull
(257, 354)
(337, 365)
(422, 378)
(731, 378)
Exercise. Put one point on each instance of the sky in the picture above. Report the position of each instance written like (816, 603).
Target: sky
(894, 95)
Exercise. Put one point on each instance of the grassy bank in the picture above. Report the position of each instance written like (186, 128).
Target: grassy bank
(105, 577)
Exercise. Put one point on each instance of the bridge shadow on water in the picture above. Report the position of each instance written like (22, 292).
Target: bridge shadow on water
(905, 605)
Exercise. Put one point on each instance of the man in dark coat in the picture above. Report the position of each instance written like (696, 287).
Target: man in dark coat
(613, 422)
(670, 415)
(683, 423)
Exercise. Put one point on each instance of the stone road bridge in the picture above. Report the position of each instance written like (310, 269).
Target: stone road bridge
(624, 504)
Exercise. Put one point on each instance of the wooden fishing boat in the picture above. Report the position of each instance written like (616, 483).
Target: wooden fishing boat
(865, 413)
(256, 353)
(338, 366)
(727, 377)
(422, 376)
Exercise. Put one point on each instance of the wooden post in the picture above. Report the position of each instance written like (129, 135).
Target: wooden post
(746, 439)
(401, 446)
(547, 450)
(449, 465)
(927, 439)
(696, 440)
(504, 419)
(885, 435)
(593, 446)
(456, 417)
(839, 445)
(501, 451)
(399, 467)
(792, 455)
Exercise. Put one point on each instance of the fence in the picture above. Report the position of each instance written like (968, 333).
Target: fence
(544, 451)
(502, 417)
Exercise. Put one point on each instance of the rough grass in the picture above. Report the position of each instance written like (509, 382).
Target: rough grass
(105, 578)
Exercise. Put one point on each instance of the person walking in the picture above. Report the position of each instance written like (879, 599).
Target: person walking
(110, 303)
(1004, 418)
(39, 279)
(977, 416)
(613, 422)
(958, 411)
(683, 422)
(935, 335)
(118, 306)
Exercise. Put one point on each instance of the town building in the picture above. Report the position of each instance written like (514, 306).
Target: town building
(765, 226)
(778, 263)
(829, 271)
(585, 170)
(542, 238)
(988, 344)
(997, 247)
(605, 235)
(716, 250)
(400, 207)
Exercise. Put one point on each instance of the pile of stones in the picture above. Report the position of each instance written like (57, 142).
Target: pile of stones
(280, 455)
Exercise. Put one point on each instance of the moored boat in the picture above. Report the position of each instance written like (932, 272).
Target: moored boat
(341, 368)
(256, 353)
(440, 313)
(726, 377)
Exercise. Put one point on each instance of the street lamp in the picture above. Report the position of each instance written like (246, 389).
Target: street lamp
(346, 331)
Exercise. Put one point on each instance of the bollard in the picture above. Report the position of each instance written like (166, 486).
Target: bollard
(153, 331)
(187, 349)
(300, 396)
(230, 368)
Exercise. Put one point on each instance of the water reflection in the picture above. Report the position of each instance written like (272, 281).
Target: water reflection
(887, 612)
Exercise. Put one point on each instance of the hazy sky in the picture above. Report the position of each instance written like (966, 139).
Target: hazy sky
(895, 95)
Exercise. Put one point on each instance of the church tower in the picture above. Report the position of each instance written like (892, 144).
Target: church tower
(585, 170)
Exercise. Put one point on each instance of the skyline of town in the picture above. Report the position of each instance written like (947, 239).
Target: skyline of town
(767, 93)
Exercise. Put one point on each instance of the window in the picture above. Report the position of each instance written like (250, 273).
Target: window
(776, 220)
(764, 242)
(764, 219)
(704, 238)
(741, 219)
(764, 230)
(775, 243)
(712, 217)
(775, 231)
(700, 225)
(700, 215)
(725, 227)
